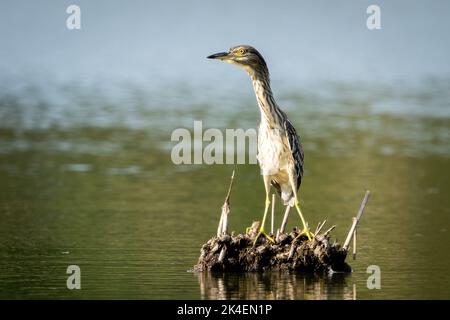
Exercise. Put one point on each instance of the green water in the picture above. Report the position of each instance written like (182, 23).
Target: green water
(109, 199)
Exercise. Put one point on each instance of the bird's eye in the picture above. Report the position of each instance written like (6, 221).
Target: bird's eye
(241, 51)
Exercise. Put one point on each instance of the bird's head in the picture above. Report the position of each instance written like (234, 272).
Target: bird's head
(244, 56)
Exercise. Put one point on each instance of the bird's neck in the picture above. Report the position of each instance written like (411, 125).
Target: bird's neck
(270, 113)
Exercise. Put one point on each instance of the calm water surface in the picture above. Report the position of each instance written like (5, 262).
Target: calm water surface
(109, 199)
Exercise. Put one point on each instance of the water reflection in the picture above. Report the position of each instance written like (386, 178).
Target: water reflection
(275, 285)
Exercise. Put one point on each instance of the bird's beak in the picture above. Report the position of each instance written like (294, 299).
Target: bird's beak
(220, 55)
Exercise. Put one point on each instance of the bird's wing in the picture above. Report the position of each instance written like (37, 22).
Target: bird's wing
(296, 149)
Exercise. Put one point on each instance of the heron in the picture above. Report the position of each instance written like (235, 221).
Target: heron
(280, 154)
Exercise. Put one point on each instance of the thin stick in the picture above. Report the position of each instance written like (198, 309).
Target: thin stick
(223, 223)
(222, 254)
(273, 214)
(219, 228)
(227, 199)
(226, 211)
(285, 218)
(350, 233)
(329, 230)
(319, 227)
(363, 205)
(354, 243)
(291, 251)
(356, 221)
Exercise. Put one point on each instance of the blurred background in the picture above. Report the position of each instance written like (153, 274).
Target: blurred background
(86, 117)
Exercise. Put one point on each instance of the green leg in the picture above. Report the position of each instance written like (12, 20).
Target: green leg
(305, 230)
(261, 230)
(266, 209)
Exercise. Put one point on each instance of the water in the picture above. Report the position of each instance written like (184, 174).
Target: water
(86, 176)
(111, 201)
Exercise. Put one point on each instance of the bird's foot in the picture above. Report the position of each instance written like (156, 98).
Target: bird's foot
(253, 230)
(305, 232)
(262, 233)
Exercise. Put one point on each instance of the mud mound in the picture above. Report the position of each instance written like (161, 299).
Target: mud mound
(237, 253)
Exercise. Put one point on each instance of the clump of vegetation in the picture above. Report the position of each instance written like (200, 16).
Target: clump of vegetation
(238, 253)
(292, 252)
